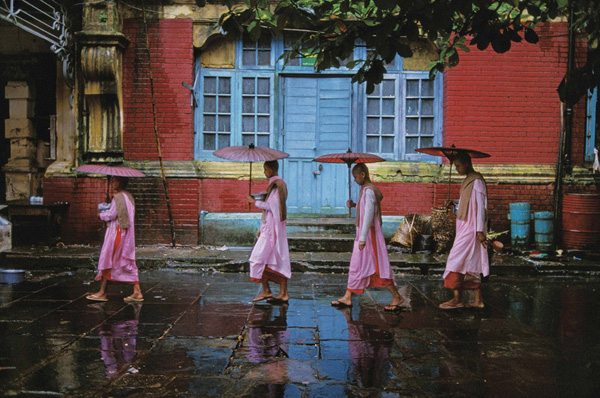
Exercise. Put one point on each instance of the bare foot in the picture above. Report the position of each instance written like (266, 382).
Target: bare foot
(478, 305)
(97, 297)
(341, 302)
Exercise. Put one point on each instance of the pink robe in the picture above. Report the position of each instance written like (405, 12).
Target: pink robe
(468, 255)
(373, 259)
(117, 256)
(271, 249)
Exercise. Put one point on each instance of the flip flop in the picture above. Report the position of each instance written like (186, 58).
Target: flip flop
(445, 306)
(340, 304)
(263, 298)
(276, 300)
(393, 308)
(131, 299)
(93, 297)
(477, 307)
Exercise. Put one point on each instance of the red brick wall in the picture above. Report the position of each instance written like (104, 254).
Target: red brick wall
(152, 222)
(507, 104)
(172, 60)
(217, 195)
(82, 224)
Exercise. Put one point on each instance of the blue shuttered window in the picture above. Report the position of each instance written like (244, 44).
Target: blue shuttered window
(590, 137)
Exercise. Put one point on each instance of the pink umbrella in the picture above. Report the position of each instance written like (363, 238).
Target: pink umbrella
(108, 170)
(250, 153)
(349, 158)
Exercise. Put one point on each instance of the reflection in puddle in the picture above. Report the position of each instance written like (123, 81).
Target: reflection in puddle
(118, 341)
(369, 346)
(268, 336)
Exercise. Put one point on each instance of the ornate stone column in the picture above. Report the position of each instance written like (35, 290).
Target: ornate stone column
(22, 173)
(102, 44)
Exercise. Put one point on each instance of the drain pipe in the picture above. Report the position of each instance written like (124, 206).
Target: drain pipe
(564, 164)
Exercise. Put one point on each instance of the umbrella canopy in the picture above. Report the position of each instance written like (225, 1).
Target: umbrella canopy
(349, 158)
(120, 171)
(108, 170)
(250, 153)
(451, 152)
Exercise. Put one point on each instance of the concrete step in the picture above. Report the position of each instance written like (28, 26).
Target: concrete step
(339, 225)
(321, 242)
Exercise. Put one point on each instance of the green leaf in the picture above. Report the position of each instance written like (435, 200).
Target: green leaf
(385, 4)
(531, 36)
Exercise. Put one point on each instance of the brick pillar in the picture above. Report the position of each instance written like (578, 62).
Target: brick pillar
(23, 178)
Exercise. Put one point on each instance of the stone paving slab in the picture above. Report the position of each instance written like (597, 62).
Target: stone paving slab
(197, 335)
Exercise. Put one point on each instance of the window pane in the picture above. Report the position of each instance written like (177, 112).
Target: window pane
(248, 123)
(427, 88)
(264, 42)
(263, 140)
(427, 141)
(264, 57)
(224, 85)
(210, 104)
(209, 123)
(209, 141)
(248, 85)
(373, 144)
(263, 105)
(412, 88)
(427, 107)
(412, 106)
(387, 106)
(427, 126)
(388, 88)
(249, 57)
(247, 139)
(224, 123)
(264, 86)
(412, 144)
(412, 126)
(263, 124)
(387, 144)
(373, 106)
(387, 125)
(223, 140)
(248, 105)
(210, 84)
(377, 91)
(372, 125)
(224, 104)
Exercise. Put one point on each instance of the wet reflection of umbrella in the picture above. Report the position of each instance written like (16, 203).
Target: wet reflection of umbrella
(250, 153)
(349, 158)
(109, 170)
(451, 153)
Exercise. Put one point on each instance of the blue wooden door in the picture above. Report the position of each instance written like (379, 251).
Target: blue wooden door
(317, 114)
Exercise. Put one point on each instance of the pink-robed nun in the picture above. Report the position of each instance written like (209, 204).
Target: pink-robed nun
(270, 258)
(117, 257)
(468, 258)
(369, 264)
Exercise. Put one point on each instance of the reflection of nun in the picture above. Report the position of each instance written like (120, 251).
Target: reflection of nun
(118, 342)
(369, 346)
(268, 338)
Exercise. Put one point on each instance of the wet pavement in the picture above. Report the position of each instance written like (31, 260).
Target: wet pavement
(196, 335)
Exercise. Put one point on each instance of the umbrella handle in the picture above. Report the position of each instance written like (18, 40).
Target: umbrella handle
(450, 178)
(250, 187)
(349, 189)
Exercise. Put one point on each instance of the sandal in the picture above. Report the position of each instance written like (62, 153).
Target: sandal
(93, 297)
(132, 299)
(340, 304)
(446, 306)
(261, 298)
(276, 300)
(393, 308)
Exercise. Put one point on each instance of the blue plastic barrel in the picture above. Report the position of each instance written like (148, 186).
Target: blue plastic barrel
(544, 230)
(519, 215)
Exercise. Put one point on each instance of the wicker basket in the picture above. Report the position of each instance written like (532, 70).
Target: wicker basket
(443, 226)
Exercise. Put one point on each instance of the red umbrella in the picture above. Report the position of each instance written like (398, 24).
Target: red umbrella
(108, 170)
(250, 153)
(349, 158)
(451, 153)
